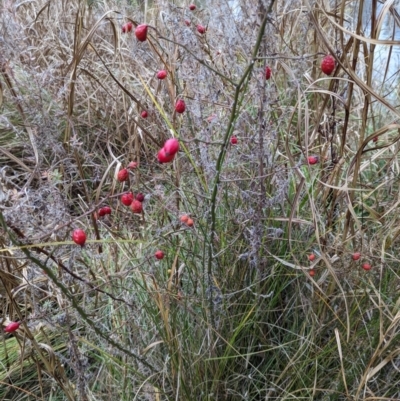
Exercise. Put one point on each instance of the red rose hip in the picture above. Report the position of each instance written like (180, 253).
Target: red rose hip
(144, 114)
(162, 74)
(328, 64)
(312, 160)
(311, 257)
(184, 218)
(127, 27)
(127, 198)
(136, 206)
(79, 237)
(366, 266)
(192, 7)
(234, 140)
(267, 72)
(201, 29)
(159, 255)
(141, 32)
(104, 210)
(180, 106)
(171, 146)
(163, 157)
(122, 175)
(356, 256)
(140, 197)
(11, 327)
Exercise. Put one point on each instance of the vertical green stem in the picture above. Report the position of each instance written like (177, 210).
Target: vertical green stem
(240, 88)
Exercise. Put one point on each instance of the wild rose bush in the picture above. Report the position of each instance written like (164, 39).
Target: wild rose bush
(219, 205)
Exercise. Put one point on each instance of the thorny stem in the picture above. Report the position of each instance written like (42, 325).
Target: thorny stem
(221, 157)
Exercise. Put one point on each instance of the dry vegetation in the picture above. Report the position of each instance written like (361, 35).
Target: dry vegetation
(231, 312)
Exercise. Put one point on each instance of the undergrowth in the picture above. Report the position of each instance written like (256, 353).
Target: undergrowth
(238, 309)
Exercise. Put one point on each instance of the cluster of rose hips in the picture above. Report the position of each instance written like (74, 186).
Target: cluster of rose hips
(311, 258)
(185, 219)
(200, 28)
(165, 155)
(141, 35)
(356, 256)
(134, 202)
(127, 199)
(141, 30)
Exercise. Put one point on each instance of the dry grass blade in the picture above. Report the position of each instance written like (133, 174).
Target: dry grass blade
(337, 336)
(81, 47)
(5, 71)
(79, 50)
(15, 159)
(150, 346)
